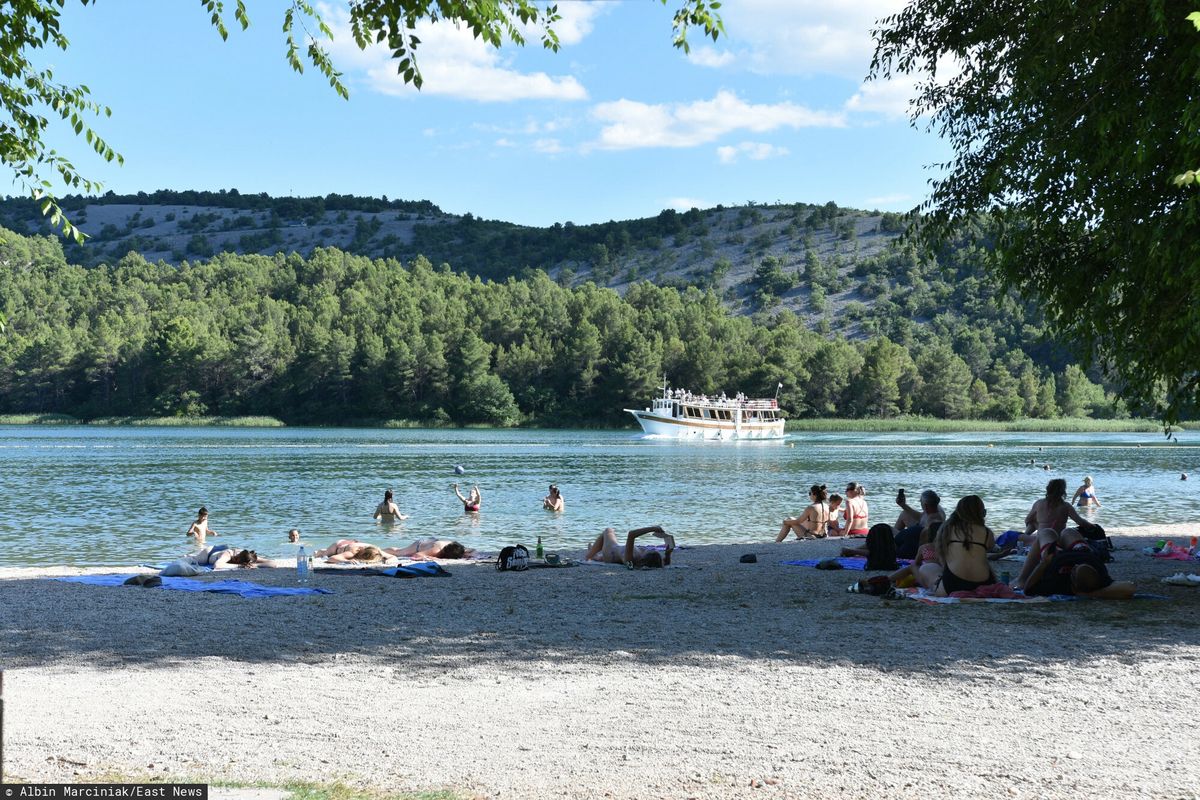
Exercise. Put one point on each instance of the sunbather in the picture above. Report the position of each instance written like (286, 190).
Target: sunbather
(1064, 563)
(926, 554)
(1053, 511)
(813, 523)
(344, 550)
(609, 550)
(223, 556)
(425, 549)
(962, 543)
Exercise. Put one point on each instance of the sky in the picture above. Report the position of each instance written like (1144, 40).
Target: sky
(616, 125)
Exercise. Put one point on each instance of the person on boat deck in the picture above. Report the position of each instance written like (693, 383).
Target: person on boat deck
(472, 502)
(1051, 512)
(424, 549)
(835, 525)
(1064, 563)
(1085, 495)
(962, 544)
(813, 523)
(911, 523)
(554, 500)
(855, 513)
(388, 512)
(606, 548)
(200, 528)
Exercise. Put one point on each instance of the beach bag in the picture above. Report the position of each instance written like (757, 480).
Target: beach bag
(881, 548)
(514, 558)
(875, 585)
(1100, 543)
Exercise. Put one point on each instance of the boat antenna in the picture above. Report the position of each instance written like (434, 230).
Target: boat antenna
(665, 385)
(778, 389)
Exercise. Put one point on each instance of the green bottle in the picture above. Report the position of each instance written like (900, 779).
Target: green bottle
(539, 548)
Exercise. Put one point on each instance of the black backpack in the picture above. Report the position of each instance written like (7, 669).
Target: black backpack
(881, 548)
(1100, 543)
(513, 558)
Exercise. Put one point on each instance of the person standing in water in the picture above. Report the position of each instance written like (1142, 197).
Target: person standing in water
(200, 528)
(471, 503)
(388, 512)
(1085, 495)
(554, 500)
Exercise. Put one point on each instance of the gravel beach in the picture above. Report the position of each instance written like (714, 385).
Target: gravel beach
(712, 679)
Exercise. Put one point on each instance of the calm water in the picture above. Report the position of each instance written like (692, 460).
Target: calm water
(104, 496)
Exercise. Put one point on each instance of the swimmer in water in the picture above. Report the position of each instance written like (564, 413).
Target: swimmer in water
(472, 503)
(200, 528)
(388, 512)
(554, 500)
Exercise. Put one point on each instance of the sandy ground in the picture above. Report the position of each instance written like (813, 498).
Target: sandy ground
(711, 680)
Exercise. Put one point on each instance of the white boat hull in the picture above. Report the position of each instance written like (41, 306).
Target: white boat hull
(659, 425)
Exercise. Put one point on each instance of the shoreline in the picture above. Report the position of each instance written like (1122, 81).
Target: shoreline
(712, 679)
(818, 425)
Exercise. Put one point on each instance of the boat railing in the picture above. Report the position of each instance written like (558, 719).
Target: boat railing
(750, 405)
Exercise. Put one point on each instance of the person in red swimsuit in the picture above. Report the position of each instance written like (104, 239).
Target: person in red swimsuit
(855, 512)
(472, 502)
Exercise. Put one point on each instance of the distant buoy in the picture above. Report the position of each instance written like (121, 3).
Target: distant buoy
(458, 469)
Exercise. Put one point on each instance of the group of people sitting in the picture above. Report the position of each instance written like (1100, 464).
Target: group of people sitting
(955, 552)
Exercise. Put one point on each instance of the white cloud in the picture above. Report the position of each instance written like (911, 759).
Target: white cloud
(888, 97)
(505, 143)
(453, 64)
(628, 124)
(755, 151)
(805, 36)
(710, 57)
(578, 18)
(686, 203)
(548, 146)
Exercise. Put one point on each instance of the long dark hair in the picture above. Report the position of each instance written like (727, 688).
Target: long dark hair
(1056, 490)
(968, 513)
(818, 492)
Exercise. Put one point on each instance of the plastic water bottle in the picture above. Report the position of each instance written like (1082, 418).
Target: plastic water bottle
(539, 551)
(301, 565)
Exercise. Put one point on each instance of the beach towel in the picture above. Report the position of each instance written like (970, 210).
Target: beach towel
(847, 563)
(417, 569)
(240, 588)
(924, 597)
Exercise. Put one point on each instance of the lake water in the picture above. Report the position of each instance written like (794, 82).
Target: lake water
(109, 496)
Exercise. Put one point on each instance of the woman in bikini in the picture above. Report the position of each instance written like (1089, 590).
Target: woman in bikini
(962, 544)
(388, 512)
(609, 550)
(344, 550)
(1053, 511)
(813, 523)
(470, 503)
(424, 549)
(855, 512)
(222, 556)
(1085, 496)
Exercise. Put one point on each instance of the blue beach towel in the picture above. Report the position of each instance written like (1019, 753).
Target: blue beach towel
(422, 569)
(240, 588)
(847, 563)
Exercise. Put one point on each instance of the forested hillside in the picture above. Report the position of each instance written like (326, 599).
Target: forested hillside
(336, 337)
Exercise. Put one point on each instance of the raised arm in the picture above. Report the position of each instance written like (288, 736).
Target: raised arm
(634, 534)
(459, 494)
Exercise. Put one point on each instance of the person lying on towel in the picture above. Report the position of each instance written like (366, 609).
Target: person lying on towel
(606, 548)
(1064, 563)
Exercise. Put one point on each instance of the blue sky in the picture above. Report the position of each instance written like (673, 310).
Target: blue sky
(616, 125)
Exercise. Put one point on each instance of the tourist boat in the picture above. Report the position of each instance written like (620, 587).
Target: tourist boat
(683, 415)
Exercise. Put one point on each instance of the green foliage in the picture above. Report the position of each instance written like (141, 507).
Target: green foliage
(1068, 122)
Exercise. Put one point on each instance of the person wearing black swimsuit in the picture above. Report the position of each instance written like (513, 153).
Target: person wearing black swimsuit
(963, 542)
